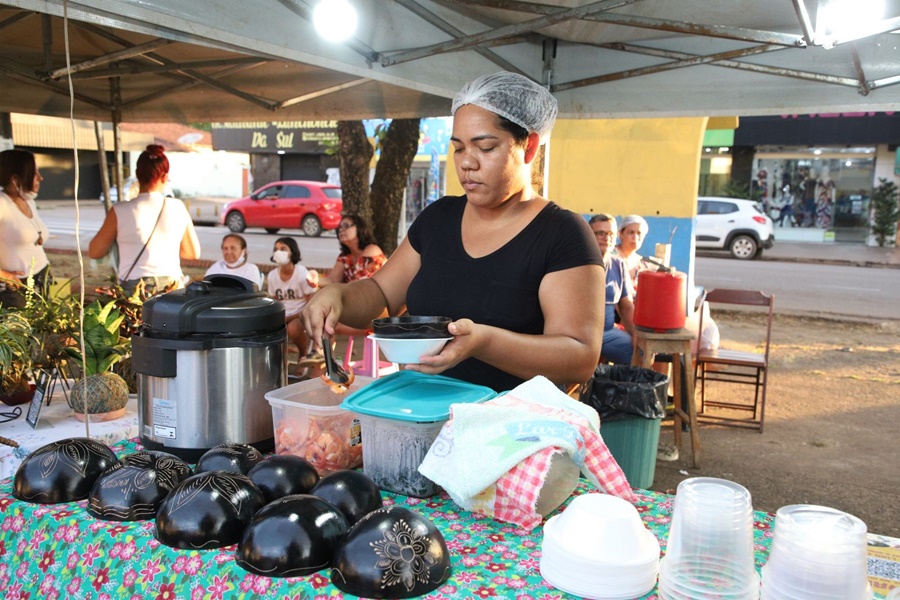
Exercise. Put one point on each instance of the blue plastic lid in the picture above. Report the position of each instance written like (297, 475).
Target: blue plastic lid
(414, 396)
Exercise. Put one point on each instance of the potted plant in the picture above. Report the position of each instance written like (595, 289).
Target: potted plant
(885, 211)
(17, 348)
(100, 392)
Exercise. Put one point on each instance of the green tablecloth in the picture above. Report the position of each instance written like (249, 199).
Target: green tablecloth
(53, 551)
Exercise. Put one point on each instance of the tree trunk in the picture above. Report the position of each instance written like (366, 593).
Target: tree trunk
(355, 153)
(398, 149)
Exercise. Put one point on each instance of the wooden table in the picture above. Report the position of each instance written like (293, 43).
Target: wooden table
(677, 343)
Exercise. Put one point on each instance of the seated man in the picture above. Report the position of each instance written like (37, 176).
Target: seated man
(617, 342)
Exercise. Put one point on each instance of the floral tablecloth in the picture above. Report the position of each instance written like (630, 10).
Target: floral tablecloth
(60, 551)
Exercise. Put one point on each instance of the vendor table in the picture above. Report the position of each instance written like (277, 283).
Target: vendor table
(57, 422)
(53, 551)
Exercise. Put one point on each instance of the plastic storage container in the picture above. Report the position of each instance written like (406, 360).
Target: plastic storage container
(310, 423)
(401, 415)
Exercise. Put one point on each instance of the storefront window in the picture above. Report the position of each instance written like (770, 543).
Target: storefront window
(819, 188)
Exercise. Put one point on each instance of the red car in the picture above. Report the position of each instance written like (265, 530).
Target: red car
(312, 206)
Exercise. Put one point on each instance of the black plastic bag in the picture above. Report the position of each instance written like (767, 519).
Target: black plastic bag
(618, 391)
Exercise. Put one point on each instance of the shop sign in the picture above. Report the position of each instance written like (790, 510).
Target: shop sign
(306, 137)
(820, 129)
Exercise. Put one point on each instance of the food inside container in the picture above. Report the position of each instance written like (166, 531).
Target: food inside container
(401, 416)
(310, 423)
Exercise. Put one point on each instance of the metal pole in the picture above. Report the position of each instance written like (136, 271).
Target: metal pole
(116, 101)
(101, 159)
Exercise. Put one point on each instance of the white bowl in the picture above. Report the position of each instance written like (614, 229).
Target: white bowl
(409, 351)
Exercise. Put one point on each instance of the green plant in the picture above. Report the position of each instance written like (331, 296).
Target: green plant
(103, 345)
(735, 189)
(885, 210)
(53, 316)
(99, 390)
(17, 346)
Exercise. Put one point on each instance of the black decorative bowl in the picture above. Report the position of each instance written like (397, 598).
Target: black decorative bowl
(63, 471)
(293, 536)
(392, 552)
(208, 510)
(234, 458)
(133, 488)
(283, 475)
(411, 327)
(353, 492)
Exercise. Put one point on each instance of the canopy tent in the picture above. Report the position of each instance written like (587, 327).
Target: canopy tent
(230, 60)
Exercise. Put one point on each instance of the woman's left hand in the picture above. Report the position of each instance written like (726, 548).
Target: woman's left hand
(462, 346)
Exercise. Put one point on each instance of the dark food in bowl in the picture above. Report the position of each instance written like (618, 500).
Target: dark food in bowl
(208, 510)
(133, 488)
(293, 536)
(283, 475)
(234, 458)
(392, 552)
(62, 471)
(353, 492)
(411, 327)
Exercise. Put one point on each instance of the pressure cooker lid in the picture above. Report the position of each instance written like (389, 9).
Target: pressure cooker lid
(220, 305)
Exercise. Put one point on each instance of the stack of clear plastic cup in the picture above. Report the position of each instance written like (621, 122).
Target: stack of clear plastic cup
(818, 553)
(710, 548)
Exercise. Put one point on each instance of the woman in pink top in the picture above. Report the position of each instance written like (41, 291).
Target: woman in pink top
(360, 256)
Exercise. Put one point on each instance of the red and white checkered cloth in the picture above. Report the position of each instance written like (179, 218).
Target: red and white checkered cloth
(519, 433)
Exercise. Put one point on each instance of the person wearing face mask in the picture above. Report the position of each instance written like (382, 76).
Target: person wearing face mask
(292, 285)
(21, 228)
(234, 260)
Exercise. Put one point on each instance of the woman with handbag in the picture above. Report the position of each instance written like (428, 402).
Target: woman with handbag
(153, 232)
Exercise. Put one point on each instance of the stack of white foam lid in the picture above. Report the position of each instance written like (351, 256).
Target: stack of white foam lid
(599, 548)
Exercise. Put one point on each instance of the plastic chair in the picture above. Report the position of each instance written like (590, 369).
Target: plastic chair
(733, 366)
(371, 364)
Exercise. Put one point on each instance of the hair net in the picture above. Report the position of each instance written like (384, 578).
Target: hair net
(513, 96)
(632, 219)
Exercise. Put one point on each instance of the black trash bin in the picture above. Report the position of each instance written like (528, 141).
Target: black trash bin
(631, 402)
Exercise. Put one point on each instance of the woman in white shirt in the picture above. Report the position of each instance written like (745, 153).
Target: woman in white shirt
(292, 285)
(21, 228)
(234, 260)
(153, 232)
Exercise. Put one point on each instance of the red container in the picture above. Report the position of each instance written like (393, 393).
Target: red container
(660, 303)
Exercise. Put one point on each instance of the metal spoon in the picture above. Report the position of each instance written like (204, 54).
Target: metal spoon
(335, 375)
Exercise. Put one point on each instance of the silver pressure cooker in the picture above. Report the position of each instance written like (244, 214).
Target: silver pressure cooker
(205, 357)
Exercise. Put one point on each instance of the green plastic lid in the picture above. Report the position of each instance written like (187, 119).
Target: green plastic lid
(414, 396)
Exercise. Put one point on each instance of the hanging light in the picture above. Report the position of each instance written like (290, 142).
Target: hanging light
(334, 20)
(840, 21)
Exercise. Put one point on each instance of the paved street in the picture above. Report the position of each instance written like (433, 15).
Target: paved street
(808, 288)
(317, 252)
(807, 279)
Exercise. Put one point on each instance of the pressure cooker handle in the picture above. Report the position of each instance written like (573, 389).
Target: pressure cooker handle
(154, 357)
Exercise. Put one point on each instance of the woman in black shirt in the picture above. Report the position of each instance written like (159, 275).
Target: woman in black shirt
(521, 277)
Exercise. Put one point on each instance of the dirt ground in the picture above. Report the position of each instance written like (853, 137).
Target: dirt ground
(831, 425)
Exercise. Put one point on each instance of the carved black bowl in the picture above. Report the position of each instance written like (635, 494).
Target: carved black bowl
(62, 471)
(208, 510)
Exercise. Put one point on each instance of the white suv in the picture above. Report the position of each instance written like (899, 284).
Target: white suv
(732, 224)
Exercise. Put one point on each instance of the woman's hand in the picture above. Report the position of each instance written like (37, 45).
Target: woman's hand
(464, 344)
(322, 312)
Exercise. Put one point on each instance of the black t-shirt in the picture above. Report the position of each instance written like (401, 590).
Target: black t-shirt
(500, 289)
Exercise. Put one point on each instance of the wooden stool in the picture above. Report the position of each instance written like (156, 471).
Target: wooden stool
(677, 343)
